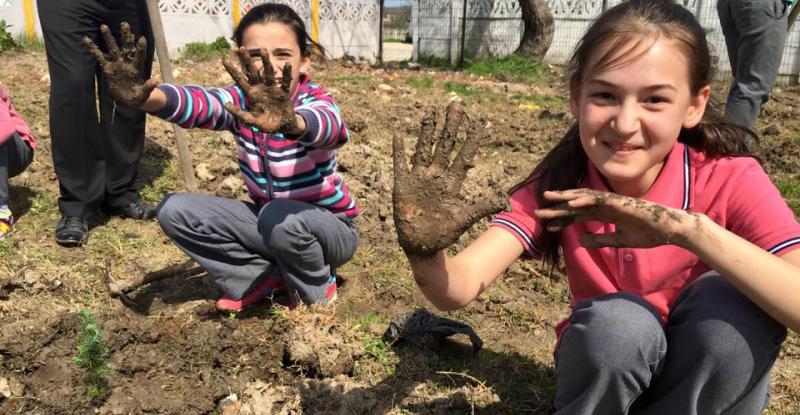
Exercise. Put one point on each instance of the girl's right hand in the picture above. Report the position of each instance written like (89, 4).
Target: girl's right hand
(123, 67)
(429, 214)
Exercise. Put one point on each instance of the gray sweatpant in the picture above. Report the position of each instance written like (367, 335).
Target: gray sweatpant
(15, 156)
(755, 32)
(238, 245)
(714, 355)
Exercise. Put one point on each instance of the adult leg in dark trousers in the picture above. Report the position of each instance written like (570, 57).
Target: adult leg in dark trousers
(755, 33)
(96, 159)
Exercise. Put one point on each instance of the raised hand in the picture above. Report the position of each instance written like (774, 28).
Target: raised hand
(429, 214)
(271, 108)
(123, 67)
(639, 223)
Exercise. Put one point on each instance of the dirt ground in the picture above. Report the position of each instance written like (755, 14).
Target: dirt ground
(172, 353)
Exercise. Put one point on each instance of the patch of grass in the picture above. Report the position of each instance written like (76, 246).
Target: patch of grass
(459, 88)
(381, 351)
(434, 62)
(541, 100)
(35, 44)
(169, 181)
(42, 206)
(205, 51)
(510, 68)
(91, 355)
(424, 82)
(6, 248)
(7, 41)
(790, 190)
(351, 78)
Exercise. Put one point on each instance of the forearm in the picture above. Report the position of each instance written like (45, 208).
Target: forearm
(155, 102)
(439, 279)
(768, 280)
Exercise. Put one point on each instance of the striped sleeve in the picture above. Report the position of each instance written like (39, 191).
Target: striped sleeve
(325, 128)
(192, 106)
(757, 212)
(520, 221)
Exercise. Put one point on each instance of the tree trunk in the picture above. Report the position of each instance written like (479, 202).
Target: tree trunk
(539, 28)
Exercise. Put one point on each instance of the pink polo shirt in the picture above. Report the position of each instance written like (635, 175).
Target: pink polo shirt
(735, 192)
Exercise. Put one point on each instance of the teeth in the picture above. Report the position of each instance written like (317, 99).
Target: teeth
(622, 147)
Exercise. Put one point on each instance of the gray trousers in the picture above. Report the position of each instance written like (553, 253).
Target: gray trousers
(15, 156)
(755, 33)
(714, 355)
(238, 245)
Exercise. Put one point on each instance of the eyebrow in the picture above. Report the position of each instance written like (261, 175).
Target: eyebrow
(651, 87)
(256, 52)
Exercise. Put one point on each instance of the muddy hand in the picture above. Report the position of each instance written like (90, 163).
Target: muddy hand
(123, 66)
(639, 223)
(429, 213)
(271, 108)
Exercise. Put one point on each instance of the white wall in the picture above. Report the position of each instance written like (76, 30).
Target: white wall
(494, 28)
(346, 26)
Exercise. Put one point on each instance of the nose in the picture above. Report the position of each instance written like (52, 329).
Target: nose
(626, 121)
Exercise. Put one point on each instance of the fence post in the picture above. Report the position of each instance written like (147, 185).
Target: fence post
(236, 12)
(30, 19)
(315, 20)
(463, 34)
(380, 34)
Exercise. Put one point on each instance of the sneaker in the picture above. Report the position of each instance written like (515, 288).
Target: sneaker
(6, 221)
(330, 294)
(269, 286)
(72, 231)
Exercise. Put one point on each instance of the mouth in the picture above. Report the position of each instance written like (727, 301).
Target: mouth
(621, 147)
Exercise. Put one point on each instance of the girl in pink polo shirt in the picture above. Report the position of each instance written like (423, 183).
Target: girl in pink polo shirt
(680, 253)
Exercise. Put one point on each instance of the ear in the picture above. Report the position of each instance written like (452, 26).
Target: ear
(574, 100)
(697, 107)
(305, 64)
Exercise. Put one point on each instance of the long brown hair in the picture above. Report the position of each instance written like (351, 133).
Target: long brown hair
(619, 35)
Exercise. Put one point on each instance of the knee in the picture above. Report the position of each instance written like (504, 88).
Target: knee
(170, 212)
(280, 225)
(725, 327)
(618, 333)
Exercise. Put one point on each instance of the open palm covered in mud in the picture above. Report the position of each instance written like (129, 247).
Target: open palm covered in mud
(429, 212)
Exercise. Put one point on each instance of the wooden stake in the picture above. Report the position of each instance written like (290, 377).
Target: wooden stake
(184, 155)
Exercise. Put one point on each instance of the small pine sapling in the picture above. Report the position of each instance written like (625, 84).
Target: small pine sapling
(91, 355)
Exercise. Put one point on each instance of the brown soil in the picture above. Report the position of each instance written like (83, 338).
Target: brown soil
(170, 352)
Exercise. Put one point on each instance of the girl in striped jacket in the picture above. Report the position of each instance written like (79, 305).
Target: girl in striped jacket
(299, 227)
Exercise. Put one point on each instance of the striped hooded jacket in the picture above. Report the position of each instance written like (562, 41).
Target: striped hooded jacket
(274, 166)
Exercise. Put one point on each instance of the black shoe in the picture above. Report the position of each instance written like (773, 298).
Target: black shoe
(72, 231)
(138, 209)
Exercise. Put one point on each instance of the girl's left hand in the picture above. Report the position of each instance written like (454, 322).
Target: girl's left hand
(271, 109)
(639, 223)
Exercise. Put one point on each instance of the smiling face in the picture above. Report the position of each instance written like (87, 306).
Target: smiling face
(630, 116)
(282, 46)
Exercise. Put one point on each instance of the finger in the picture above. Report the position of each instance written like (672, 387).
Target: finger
(269, 71)
(235, 73)
(447, 139)
(465, 159)
(95, 51)
(601, 240)
(141, 55)
(127, 37)
(485, 208)
(399, 157)
(111, 44)
(240, 114)
(427, 139)
(286, 81)
(251, 73)
(559, 223)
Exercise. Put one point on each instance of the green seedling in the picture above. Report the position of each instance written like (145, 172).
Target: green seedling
(91, 355)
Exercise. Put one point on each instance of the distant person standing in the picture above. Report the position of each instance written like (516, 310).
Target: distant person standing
(96, 158)
(755, 33)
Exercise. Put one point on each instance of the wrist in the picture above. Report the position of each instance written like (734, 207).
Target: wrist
(692, 226)
(300, 125)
